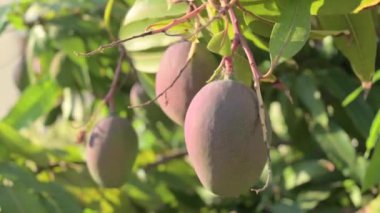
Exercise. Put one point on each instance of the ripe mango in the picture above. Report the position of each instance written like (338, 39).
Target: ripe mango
(224, 137)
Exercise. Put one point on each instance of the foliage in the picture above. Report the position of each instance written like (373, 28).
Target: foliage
(325, 149)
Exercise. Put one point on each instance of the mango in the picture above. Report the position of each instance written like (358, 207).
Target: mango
(177, 99)
(111, 151)
(224, 138)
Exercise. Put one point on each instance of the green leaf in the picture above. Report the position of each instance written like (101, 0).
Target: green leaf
(147, 42)
(309, 95)
(18, 174)
(69, 45)
(321, 34)
(143, 193)
(354, 191)
(153, 9)
(56, 199)
(354, 94)
(337, 146)
(107, 13)
(147, 81)
(261, 26)
(220, 44)
(338, 83)
(143, 14)
(261, 7)
(257, 40)
(285, 207)
(292, 31)
(333, 7)
(303, 172)
(311, 198)
(147, 61)
(3, 16)
(360, 46)
(34, 102)
(16, 199)
(242, 70)
(18, 190)
(372, 175)
(374, 134)
(358, 172)
(318, 7)
(365, 4)
(13, 142)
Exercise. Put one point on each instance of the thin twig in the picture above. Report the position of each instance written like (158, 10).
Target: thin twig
(147, 33)
(193, 13)
(109, 98)
(256, 78)
(203, 26)
(113, 44)
(266, 21)
(272, 67)
(166, 89)
(229, 59)
(40, 169)
(166, 158)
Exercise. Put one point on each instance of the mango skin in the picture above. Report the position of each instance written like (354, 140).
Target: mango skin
(177, 99)
(111, 151)
(224, 138)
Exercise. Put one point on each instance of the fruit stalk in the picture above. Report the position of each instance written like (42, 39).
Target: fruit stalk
(109, 98)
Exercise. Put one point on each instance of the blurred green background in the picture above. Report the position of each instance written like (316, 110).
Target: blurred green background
(325, 148)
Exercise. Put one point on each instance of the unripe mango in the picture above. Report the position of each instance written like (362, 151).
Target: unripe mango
(111, 151)
(224, 138)
(177, 99)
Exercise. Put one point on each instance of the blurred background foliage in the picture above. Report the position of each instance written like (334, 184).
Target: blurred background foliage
(325, 147)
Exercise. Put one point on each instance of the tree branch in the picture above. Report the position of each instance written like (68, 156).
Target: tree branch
(163, 29)
(166, 158)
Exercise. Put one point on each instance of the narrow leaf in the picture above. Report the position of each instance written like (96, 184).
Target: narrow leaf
(372, 175)
(308, 93)
(321, 34)
(3, 16)
(220, 44)
(336, 144)
(355, 94)
(107, 13)
(352, 96)
(360, 46)
(13, 142)
(303, 172)
(365, 4)
(34, 102)
(261, 7)
(152, 9)
(292, 31)
(338, 83)
(374, 133)
(333, 7)
(69, 46)
(18, 200)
